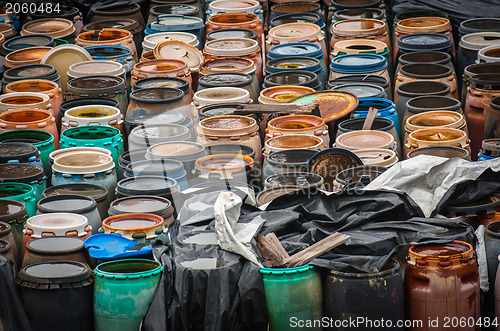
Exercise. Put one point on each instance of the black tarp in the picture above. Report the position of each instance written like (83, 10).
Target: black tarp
(12, 314)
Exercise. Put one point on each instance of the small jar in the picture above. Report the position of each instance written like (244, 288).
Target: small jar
(25, 173)
(142, 228)
(96, 192)
(235, 20)
(94, 136)
(55, 27)
(144, 204)
(44, 86)
(76, 204)
(85, 167)
(231, 129)
(93, 115)
(161, 68)
(98, 87)
(221, 95)
(56, 224)
(235, 47)
(108, 36)
(36, 119)
(297, 32)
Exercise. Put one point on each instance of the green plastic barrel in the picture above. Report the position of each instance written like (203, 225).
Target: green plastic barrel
(123, 292)
(24, 193)
(43, 140)
(94, 136)
(293, 295)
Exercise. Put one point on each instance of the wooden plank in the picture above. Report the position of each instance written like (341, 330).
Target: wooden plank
(305, 256)
(272, 250)
(372, 113)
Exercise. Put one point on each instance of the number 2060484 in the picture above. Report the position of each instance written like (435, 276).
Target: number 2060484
(32, 8)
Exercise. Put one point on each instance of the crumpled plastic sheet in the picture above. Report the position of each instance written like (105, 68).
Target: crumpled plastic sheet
(481, 259)
(426, 178)
(379, 224)
(12, 314)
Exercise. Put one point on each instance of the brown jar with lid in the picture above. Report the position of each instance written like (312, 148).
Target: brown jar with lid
(442, 282)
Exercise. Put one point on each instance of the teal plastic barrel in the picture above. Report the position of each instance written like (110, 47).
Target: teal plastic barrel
(43, 140)
(23, 193)
(123, 292)
(293, 295)
(94, 136)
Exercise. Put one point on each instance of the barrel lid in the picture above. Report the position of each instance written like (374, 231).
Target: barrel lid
(175, 9)
(357, 63)
(303, 17)
(83, 163)
(110, 52)
(164, 118)
(141, 204)
(231, 47)
(355, 174)
(175, 49)
(272, 193)
(479, 25)
(21, 42)
(478, 40)
(154, 168)
(157, 95)
(158, 133)
(177, 22)
(66, 105)
(434, 57)
(173, 82)
(96, 67)
(292, 77)
(96, 192)
(377, 156)
(371, 79)
(332, 104)
(55, 274)
(11, 152)
(330, 162)
(181, 151)
(147, 185)
(55, 245)
(348, 14)
(442, 151)
(291, 141)
(153, 39)
(21, 173)
(30, 71)
(66, 203)
(291, 158)
(225, 80)
(230, 149)
(295, 49)
(232, 33)
(12, 211)
(219, 109)
(424, 41)
(362, 90)
(293, 63)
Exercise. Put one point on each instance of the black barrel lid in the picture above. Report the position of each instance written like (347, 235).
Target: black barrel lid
(292, 77)
(230, 149)
(141, 204)
(300, 179)
(154, 167)
(147, 185)
(66, 203)
(219, 109)
(12, 211)
(96, 192)
(424, 42)
(355, 174)
(487, 205)
(20, 173)
(22, 42)
(175, 9)
(54, 275)
(484, 24)
(30, 71)
(172, 82)
(484, 81)
(17, 151)
(329, 162)
(66, 105)
(56, 245)
(232, 33)
(157, 95)
(230, 79)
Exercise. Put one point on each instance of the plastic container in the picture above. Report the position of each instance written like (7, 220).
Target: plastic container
(56, 248)
(144, 204)
(20, 192)
(292, 293)
(165, 168)
(122, 282)
(30, 174)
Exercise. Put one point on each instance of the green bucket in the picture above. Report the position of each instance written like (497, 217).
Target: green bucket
(94, 136)
(123, 291)
(293, 295)
(43, 140)
(24, 193)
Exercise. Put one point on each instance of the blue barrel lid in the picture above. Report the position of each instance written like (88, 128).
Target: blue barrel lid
(295, 49)
(363, 62)
(170, 22)
(424, 42)
(106, 52)
(293, 63)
